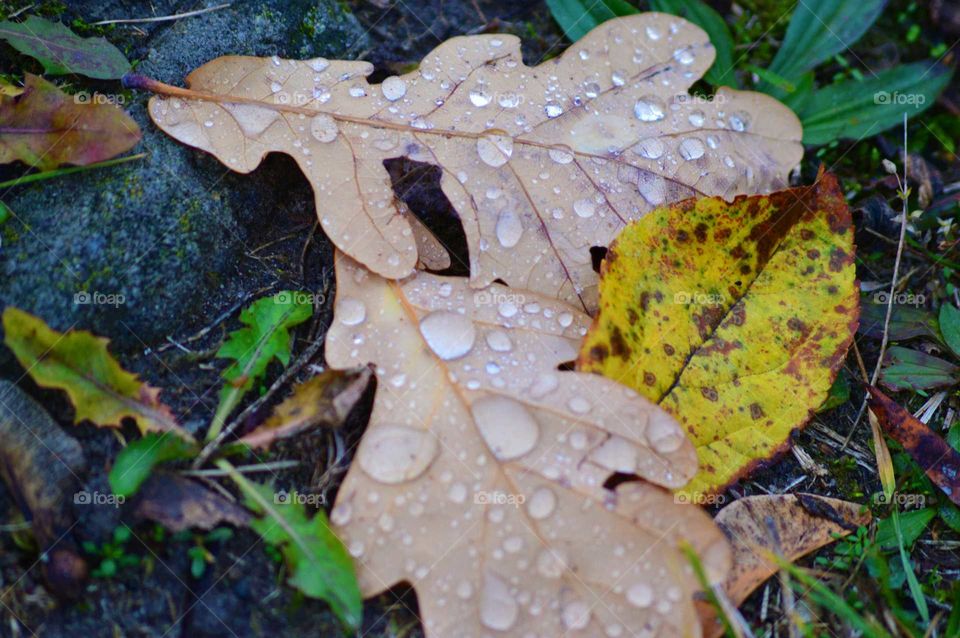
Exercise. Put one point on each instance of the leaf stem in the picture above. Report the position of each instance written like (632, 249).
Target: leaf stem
(36, 177)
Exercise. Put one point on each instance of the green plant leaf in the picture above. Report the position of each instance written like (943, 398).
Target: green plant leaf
(820, 29)
(577, 17)
(852, 109)
(266, 337)
(61, 51)
(839, 392)
(912, 524)
(950, 326)
(79, 363)
(906, 322)
(136, 461)
(705, 17)
(908, 369)
(319, 564)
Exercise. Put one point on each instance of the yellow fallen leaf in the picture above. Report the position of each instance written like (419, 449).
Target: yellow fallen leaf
(541, 163)
(733, 317)
(481, 477)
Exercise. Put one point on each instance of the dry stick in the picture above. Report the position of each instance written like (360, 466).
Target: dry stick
(893, 285)
(221, 435)
(176, 16)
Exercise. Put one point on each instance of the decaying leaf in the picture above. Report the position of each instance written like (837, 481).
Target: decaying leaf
(44, 127)
(481, 476)
(733, 317)
(933, 454)
(79, 363)
(178, 503)
(61, 51)
(325, 399)
(541, 163)
(785, 525)
(40, 463)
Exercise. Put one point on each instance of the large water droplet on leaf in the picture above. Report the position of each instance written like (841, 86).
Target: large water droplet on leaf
(396, 453)
(506, 425)
(450, 335)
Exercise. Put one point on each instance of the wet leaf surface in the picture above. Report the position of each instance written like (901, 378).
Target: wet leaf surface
(541, 163)
(481, 476)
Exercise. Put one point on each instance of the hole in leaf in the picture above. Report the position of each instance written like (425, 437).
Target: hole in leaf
(418, 185)
(597, 255)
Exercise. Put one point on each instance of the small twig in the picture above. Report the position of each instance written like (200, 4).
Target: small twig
(221, 435)
(36, 177)
(247, 469)
(893, 283)
(176, 16)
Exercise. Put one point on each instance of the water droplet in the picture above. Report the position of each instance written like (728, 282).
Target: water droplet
(584, 207)
(341, 514)
(591, 89)
(323, 128)
(684, 56)
(663, 434)
(506, 425)
(350, 311)
(561, 155)
(543, 385)
(551, 563)
(464, 590)
(652, 187)
(616, 454)
(507, 309)
(640, 595)
(584, 54)
(498, 609)
(696, 118)
(618, 78)
(509, 229)
(393, 88)
(728, 161)
(650, 148)
(479, 96)
(509, 100)
(450, 335)
(575, 615)
(649, 108)
(319, 64)
(457, 493)
(578, 405)
(565, 319)
(552, 109)
(357, 91)
(542, 503)
(653, 33)
(208, 123)
(740, 121)
(396, 453)
(499, 341)
(495, 148)
(691, 148)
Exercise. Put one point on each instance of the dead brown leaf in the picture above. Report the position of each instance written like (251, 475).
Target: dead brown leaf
(788, 525)
(541, 163)
(931, 452)
(324, 399)
(179, 503)
(480, 478)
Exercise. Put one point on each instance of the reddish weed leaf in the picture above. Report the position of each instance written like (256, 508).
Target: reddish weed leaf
(44, 127)
(929, 450)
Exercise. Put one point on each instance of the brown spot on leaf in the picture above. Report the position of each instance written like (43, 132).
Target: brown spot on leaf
(710, 394)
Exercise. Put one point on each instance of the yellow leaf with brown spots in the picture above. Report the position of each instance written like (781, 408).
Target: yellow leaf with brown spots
(734, 317)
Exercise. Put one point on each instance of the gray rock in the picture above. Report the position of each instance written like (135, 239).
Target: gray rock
(130, 251)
